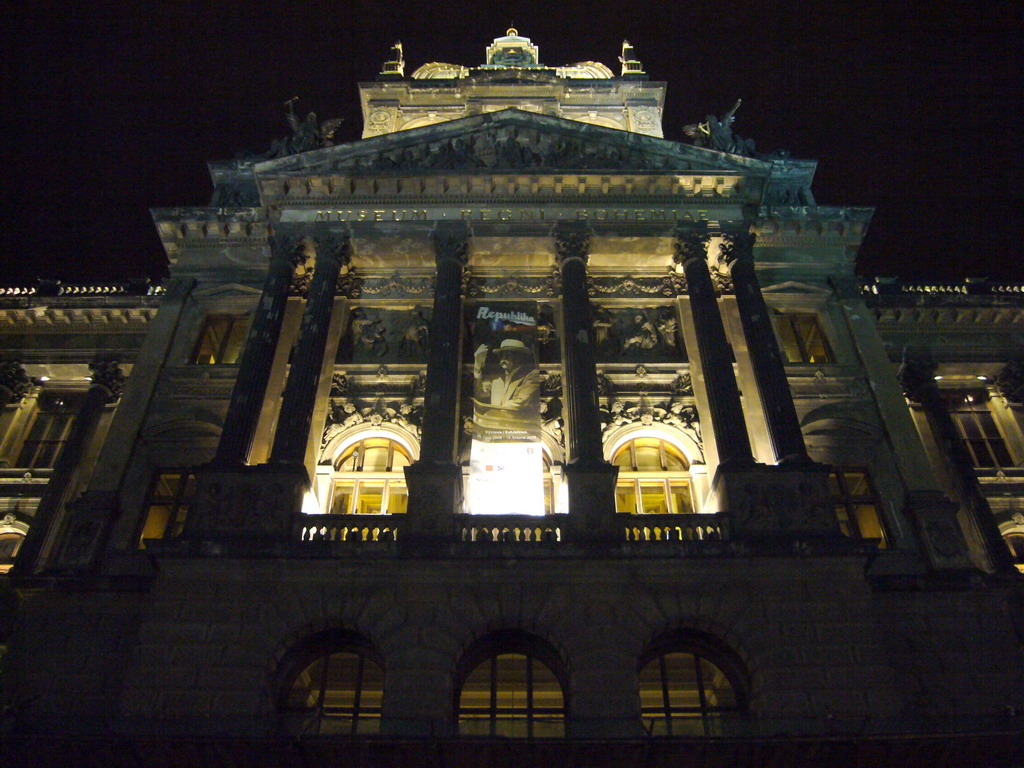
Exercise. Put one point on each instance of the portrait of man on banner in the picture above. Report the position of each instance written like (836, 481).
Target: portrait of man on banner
(506, 396)
(506, 462)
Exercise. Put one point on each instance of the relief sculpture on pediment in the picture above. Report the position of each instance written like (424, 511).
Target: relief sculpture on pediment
(514, 148)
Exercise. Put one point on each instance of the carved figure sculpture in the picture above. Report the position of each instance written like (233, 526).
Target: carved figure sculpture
(368, 335)
(642, 336)
(718, 134)
(307, 134)
(602, 328)
(668, 329)
(415, 336)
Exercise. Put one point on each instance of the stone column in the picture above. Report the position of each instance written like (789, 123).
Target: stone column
(258, 355)
(107, 382)
(590, 479)
(14, 382)
(760, 501)
(293, 423)
(726, 422)
(435, 481)
(769, 372)
(939, 531)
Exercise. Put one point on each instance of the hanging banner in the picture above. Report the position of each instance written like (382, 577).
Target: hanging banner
(506, 394)
(506, 475)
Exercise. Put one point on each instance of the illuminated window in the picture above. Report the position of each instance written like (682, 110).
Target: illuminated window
(653, 478)
(1015, 541)
(51, 425)
(369, 479)
(10, 543)
(856, 504)
(511, 684)
(221, 340)
(801, 337)
(689, 687)
(977, 429)
(167, 504)
(333, 684)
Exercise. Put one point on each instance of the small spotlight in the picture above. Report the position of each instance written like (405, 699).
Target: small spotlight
(983, 378)
(937, 378)
(44, 378)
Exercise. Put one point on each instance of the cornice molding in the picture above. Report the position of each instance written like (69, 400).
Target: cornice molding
(964, 318)
(103, 320)
(427, 188)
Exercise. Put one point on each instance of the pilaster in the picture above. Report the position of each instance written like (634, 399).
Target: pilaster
(937, 520)
(47, 538)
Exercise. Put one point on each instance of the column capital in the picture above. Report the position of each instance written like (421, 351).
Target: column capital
(13, 380)
(917, 379)
(737, 246)
(572, 243)
(285, 245)
(336, 246)
(691, 243)
(451, 242)
(108, 377)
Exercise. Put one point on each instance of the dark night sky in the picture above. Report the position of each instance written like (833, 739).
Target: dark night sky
(914, 108)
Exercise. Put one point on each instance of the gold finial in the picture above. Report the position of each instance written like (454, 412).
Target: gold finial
(512, 32)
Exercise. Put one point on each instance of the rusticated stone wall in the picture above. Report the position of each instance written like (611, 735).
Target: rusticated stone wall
(199, 652)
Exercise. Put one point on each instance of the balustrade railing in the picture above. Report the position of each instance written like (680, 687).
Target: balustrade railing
(509, 528)
(693, 527)
(348, 528)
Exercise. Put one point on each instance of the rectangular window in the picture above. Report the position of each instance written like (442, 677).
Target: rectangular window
(167, 504)
(369, 497)
(51, 425)
(856, 504)
(977, 429)
(801, 337)
(649, 496)
(221, 340)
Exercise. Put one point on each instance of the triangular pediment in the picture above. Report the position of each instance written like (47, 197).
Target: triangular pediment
(509, 141)
(223, 290)
(792, 286)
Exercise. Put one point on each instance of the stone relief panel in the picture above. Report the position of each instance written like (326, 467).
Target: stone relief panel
(386, 336)
(638, 335)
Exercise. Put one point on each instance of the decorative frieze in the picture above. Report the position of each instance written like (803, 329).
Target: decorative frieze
(513, 286)
(669, 286)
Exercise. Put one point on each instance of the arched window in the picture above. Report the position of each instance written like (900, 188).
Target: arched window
(368, 478)
(10, 543)
(1015, 541)
(510, 684)
(653, 478)
(333, 684)
(689, 686)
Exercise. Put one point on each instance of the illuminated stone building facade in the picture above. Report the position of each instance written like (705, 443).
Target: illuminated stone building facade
(745, 501)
